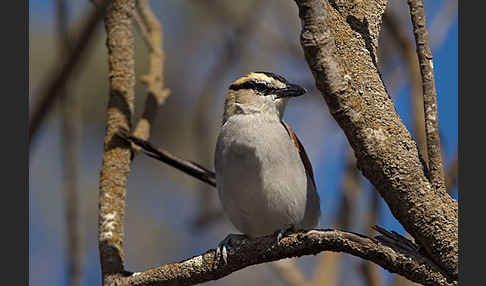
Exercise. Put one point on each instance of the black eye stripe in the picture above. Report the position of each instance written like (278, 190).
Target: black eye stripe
(258, 86)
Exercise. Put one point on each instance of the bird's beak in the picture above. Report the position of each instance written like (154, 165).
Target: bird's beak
(291, 90)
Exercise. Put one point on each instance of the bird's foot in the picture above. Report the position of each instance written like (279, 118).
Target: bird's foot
(224, 245)
(283, 232)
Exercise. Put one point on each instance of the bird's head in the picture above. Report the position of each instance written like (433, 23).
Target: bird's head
(260, 92)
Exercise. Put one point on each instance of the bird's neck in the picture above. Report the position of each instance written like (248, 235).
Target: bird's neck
(261, 113)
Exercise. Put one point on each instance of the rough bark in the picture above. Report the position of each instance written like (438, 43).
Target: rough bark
(202, 268)
(436, 170)
(117, 153)
(339, 42)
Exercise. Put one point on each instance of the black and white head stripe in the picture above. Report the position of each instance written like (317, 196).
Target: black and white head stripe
(264, 82)
(254, 85)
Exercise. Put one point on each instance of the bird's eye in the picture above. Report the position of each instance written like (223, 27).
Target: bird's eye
(263, 88)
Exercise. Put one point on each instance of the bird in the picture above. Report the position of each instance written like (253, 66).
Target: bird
(264, 177)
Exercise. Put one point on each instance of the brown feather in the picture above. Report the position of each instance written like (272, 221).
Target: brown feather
(302, 153)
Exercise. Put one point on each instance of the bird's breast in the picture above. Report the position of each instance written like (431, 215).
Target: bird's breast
(261, 181)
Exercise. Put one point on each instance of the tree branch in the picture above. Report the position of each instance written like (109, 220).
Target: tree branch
(193, 169)
(117, 153)
(57, 81)
(438, 30)
(246, 252)
(386, 154)
(436, 170)
(157, 93)
(339, 44)
(199, 269)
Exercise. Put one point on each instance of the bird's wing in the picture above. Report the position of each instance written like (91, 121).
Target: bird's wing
(302, 153)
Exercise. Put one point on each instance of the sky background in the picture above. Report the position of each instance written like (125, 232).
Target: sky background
(162, 203)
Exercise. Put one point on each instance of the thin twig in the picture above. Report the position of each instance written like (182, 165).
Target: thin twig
(117, 153)
(193, 169)
(143, 29)
(436, 170)
(438, 29)
(70, 145)
(155, 79)
(51, 88)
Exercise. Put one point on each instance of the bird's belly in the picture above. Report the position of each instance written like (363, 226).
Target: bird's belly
(263, 190)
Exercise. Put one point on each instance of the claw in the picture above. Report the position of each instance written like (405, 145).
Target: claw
(283, 232)
(222, 249)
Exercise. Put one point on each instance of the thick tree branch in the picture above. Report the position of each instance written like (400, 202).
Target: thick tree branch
(202, 268)
(340, 47)
(436, 169)
(117, 153)
(57, 81)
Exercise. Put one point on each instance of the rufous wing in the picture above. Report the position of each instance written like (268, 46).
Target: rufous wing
(302, 153)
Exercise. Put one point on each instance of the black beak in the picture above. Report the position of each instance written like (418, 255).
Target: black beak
(291, 90)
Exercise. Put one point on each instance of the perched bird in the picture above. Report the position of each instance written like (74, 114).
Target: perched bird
(263, 175)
